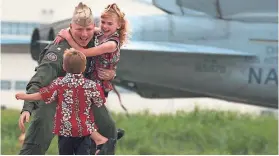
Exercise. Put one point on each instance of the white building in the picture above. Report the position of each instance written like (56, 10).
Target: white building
(19, 18)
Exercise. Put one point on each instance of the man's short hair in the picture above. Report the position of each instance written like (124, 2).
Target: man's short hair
(82, 15)
(74, 61)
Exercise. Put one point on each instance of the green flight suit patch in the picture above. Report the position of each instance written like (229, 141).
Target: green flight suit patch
(51, 56)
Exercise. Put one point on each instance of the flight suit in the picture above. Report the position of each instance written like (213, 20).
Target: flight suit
(39, 134)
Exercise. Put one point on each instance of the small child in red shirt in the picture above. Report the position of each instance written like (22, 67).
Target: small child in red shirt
(73, 120)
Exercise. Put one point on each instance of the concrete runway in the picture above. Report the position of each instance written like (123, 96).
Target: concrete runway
(134, 103)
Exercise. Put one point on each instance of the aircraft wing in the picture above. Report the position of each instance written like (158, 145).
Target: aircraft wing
(241, 10)
(169, 47)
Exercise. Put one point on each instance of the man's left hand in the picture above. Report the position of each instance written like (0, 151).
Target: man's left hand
(106, 74)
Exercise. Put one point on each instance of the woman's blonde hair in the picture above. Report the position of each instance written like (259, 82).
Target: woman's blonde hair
(113, 9)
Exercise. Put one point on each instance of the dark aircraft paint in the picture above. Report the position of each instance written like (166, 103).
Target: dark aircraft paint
(210, 65)
(263, 76)
(210, 68)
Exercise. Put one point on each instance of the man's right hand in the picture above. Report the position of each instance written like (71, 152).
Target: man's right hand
(24, 117)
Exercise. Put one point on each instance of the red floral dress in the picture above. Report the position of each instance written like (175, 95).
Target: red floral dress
(107, 60)
(74, 95)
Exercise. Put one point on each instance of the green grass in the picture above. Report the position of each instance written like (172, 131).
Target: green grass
(198, 132)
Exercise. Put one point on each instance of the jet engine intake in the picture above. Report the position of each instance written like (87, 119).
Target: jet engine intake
(39, 41)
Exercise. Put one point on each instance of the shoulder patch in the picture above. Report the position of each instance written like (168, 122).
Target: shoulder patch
(51, 56)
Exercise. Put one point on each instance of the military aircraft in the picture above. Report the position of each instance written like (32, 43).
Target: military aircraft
(225, 49)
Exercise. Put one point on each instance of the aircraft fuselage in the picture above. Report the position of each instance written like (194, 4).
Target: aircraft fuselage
(236, 78)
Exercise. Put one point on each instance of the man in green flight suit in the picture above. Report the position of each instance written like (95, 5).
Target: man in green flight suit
(39, 134)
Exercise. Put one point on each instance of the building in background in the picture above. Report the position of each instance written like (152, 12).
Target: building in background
(19, 18)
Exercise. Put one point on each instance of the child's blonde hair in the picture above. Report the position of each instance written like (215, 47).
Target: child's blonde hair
(74, 61)
(113, 9)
